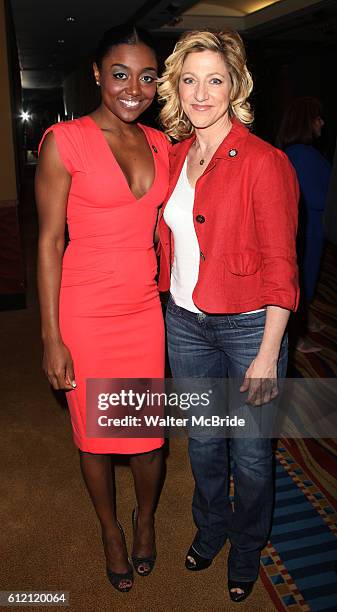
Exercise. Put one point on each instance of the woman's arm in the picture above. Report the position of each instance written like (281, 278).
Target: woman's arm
(276, 208)
(52, 184)
(261, 377)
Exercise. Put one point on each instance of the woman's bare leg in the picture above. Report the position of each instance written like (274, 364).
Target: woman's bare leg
(99, 477)
(148, 474)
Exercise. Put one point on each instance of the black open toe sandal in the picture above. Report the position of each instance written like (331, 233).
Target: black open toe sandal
(245, 587)
(139, 563)
(199, 563)
(117, 578)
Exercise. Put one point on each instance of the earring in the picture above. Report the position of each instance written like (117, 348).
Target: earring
(98, 83)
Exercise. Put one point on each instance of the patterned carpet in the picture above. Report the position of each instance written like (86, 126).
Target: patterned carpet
(299, 564)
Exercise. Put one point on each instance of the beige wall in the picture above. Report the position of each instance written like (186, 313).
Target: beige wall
(12, 272)
(8, 189)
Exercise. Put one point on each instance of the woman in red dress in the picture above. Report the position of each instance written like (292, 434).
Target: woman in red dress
(106, 175)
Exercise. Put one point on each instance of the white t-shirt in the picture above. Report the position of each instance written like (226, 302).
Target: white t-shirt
(178, 215)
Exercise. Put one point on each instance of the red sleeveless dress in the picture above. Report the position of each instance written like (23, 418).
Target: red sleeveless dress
(109, 311)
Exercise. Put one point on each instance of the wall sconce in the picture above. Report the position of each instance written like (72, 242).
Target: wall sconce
(25, 116)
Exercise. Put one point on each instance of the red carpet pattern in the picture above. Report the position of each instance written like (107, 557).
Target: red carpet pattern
(299, 564)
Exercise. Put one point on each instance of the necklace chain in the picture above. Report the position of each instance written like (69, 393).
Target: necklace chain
(212, 147)
(215, 146)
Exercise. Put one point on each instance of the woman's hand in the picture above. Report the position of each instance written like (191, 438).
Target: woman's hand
(260, 381)
(58, 365)
(261, 377)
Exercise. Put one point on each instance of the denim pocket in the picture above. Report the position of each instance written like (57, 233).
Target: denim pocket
(172, 306)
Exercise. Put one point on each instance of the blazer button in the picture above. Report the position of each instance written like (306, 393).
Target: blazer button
(202, 256)
(200, 218)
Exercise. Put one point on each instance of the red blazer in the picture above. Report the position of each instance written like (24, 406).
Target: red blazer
(245, 218)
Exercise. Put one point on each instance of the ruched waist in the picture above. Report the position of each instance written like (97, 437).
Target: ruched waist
(115, 281)
(134, 264)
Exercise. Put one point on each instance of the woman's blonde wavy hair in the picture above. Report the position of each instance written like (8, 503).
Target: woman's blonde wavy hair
(229, 44)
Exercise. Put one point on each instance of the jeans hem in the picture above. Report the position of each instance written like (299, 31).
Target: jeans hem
(243, 579)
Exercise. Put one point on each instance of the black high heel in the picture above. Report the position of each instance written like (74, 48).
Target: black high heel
(246, 588)
(200, 563)
(141, 561)
(116, 578)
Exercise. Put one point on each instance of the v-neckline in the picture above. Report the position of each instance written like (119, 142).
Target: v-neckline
(117, 164)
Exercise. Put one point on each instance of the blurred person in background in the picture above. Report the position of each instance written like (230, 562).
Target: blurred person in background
(300, 128)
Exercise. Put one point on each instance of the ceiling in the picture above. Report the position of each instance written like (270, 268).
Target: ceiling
(235, 8)
(244, 15)
(53, 36)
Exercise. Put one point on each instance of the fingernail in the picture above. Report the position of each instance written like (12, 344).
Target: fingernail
(73, 384)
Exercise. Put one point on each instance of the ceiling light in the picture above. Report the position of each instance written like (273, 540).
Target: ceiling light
(70, 19)
(60, 41)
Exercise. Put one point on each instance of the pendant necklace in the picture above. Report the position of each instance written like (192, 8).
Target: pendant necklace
(202, 161)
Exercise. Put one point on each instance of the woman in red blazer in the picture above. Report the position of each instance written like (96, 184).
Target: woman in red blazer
(227, 254)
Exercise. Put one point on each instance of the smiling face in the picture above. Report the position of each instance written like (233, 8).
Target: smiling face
(204, 89)
(127, 78)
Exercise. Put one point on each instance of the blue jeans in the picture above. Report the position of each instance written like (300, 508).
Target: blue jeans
(220, 346)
